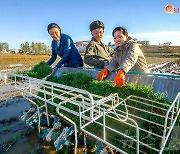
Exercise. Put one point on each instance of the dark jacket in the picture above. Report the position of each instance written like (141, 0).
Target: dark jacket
(96, 53)
(69, 54)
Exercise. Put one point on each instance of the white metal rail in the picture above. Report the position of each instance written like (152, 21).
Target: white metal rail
(126, 114)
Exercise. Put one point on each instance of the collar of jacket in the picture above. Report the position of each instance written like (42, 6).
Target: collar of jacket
(93, 39)
(61, 37)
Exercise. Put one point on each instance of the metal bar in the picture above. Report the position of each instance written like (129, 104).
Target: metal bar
(169, 132)
(104, 127)
(150, 100)
(149, 104)
(139, 128)
(75, 128)
(142, 119)
(146, 111)
(167, 115)
(130, 137)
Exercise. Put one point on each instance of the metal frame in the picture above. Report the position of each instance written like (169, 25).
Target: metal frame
(94, 109)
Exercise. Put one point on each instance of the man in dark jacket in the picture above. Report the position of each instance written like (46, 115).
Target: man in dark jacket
(97, 54)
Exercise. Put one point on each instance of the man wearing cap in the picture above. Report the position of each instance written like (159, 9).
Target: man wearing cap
(97, 54)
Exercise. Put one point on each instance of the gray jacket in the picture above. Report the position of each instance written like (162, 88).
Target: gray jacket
(97, 53)
(128, 57)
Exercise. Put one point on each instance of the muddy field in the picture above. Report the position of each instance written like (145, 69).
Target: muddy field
(20, 61)
(10, 61)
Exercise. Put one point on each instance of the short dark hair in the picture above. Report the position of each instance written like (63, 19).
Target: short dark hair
(53, 25)
(124, 30)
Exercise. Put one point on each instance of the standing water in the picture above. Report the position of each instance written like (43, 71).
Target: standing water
(17, 138)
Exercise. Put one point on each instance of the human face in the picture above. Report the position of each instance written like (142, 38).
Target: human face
(98, 34)
(55, 33)
(119, 38)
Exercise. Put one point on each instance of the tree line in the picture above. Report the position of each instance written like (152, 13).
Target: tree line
(4, 47)
(33, 48)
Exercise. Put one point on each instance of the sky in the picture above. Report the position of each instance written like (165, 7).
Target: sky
(26, 20)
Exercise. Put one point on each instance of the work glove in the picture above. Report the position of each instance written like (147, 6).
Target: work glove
(103, 74)
(119, 79)
(53, 70)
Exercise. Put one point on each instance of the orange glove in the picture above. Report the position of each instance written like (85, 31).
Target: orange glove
(119, 79)
(103, 74)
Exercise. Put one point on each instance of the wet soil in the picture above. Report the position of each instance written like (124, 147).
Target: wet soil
(17, 138)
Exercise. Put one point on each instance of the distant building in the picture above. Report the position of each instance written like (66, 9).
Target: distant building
(112, 45)
(143, 42)
(81, 45)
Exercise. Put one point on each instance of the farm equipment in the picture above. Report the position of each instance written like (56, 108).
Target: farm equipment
(126, 125)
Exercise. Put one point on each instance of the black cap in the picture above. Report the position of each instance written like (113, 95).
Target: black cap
(96, 24)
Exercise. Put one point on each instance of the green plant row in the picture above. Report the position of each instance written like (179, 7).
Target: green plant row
(105, 88)
(39, 71)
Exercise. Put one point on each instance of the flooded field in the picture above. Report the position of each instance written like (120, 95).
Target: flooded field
(16, 137)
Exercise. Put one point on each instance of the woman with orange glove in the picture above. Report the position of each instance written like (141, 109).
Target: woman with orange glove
(127, 56)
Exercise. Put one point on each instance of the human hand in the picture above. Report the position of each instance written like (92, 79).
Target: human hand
(53, 70)
(119, 79)
(103, 74)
